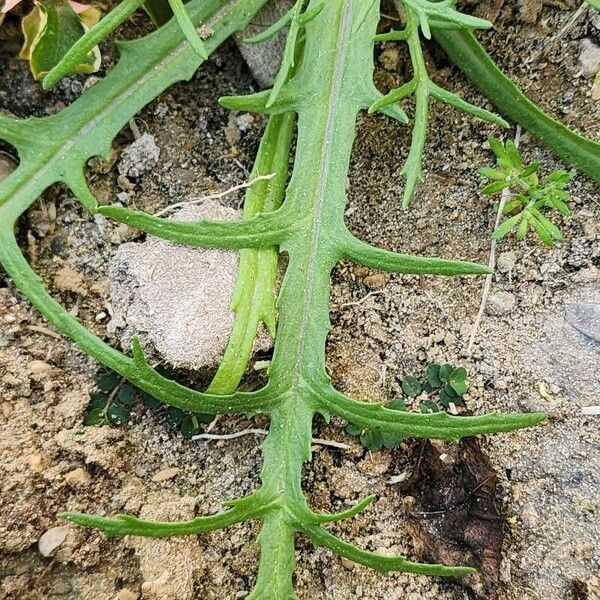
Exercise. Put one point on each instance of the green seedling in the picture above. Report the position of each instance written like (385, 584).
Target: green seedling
(112, 402)
(530, 195)
(375, 439)
(325, 82)
(115, 397)
(442, 386)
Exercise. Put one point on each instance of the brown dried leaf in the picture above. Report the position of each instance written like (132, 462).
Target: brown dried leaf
(454, 519)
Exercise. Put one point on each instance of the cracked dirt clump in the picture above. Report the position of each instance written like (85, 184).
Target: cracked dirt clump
(141, 156)
(176, 298)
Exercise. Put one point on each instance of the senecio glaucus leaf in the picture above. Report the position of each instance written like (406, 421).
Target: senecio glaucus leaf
(326, 80)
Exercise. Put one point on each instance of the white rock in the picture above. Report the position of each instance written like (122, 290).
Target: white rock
(127, 594)
(500, 303)
(506, 261)
(51, 540)
(165, 474)
(176, 298)
(589, 57)
(139, 157)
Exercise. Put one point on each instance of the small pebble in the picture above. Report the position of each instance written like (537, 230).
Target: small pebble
(375, 463)
(51, 540)
(506, 261)
(7, 409)
(348, 564)
(244, 121)
(590, 230)
(376, 281)
(589, 275)
(38, 367)
(127, 594)
(389, 59)
(36, 462)
(500, 303)
(7, 165)
(589, 57)
(165, 474)
(140, 157)
(78, 477)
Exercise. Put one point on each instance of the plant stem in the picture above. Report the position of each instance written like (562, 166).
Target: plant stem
(254, 296)
(413, 167)
(333, 83)
(492, 261)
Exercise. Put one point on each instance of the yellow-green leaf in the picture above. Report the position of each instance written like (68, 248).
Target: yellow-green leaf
(50, 29)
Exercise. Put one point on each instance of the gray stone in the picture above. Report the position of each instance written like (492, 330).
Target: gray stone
(51, 540)
(139, 157)
(585, 318)
(500, 303)
(264, 58)
(176, 298)
(589, 57)
(506, 261)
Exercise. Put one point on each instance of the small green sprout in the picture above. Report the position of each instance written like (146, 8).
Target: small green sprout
(114, 399)
(374, 439)
(111, 404)
(443, 385)
(530, 194)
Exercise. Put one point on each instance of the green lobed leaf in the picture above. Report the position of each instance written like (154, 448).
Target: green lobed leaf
(371, 439)
(116, 414)
(433, 375)
(443, 12)
(94, 417)
(492, 173)
(315, 240)
(108, 381)
(428, 407)
(445, 372)
(127, 394)
(494, 188)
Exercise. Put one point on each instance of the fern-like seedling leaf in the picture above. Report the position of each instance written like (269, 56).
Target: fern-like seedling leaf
(418, 13)
(531, 196)
(443, 12)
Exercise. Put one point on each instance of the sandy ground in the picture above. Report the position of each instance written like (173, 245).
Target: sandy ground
(527, 355)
